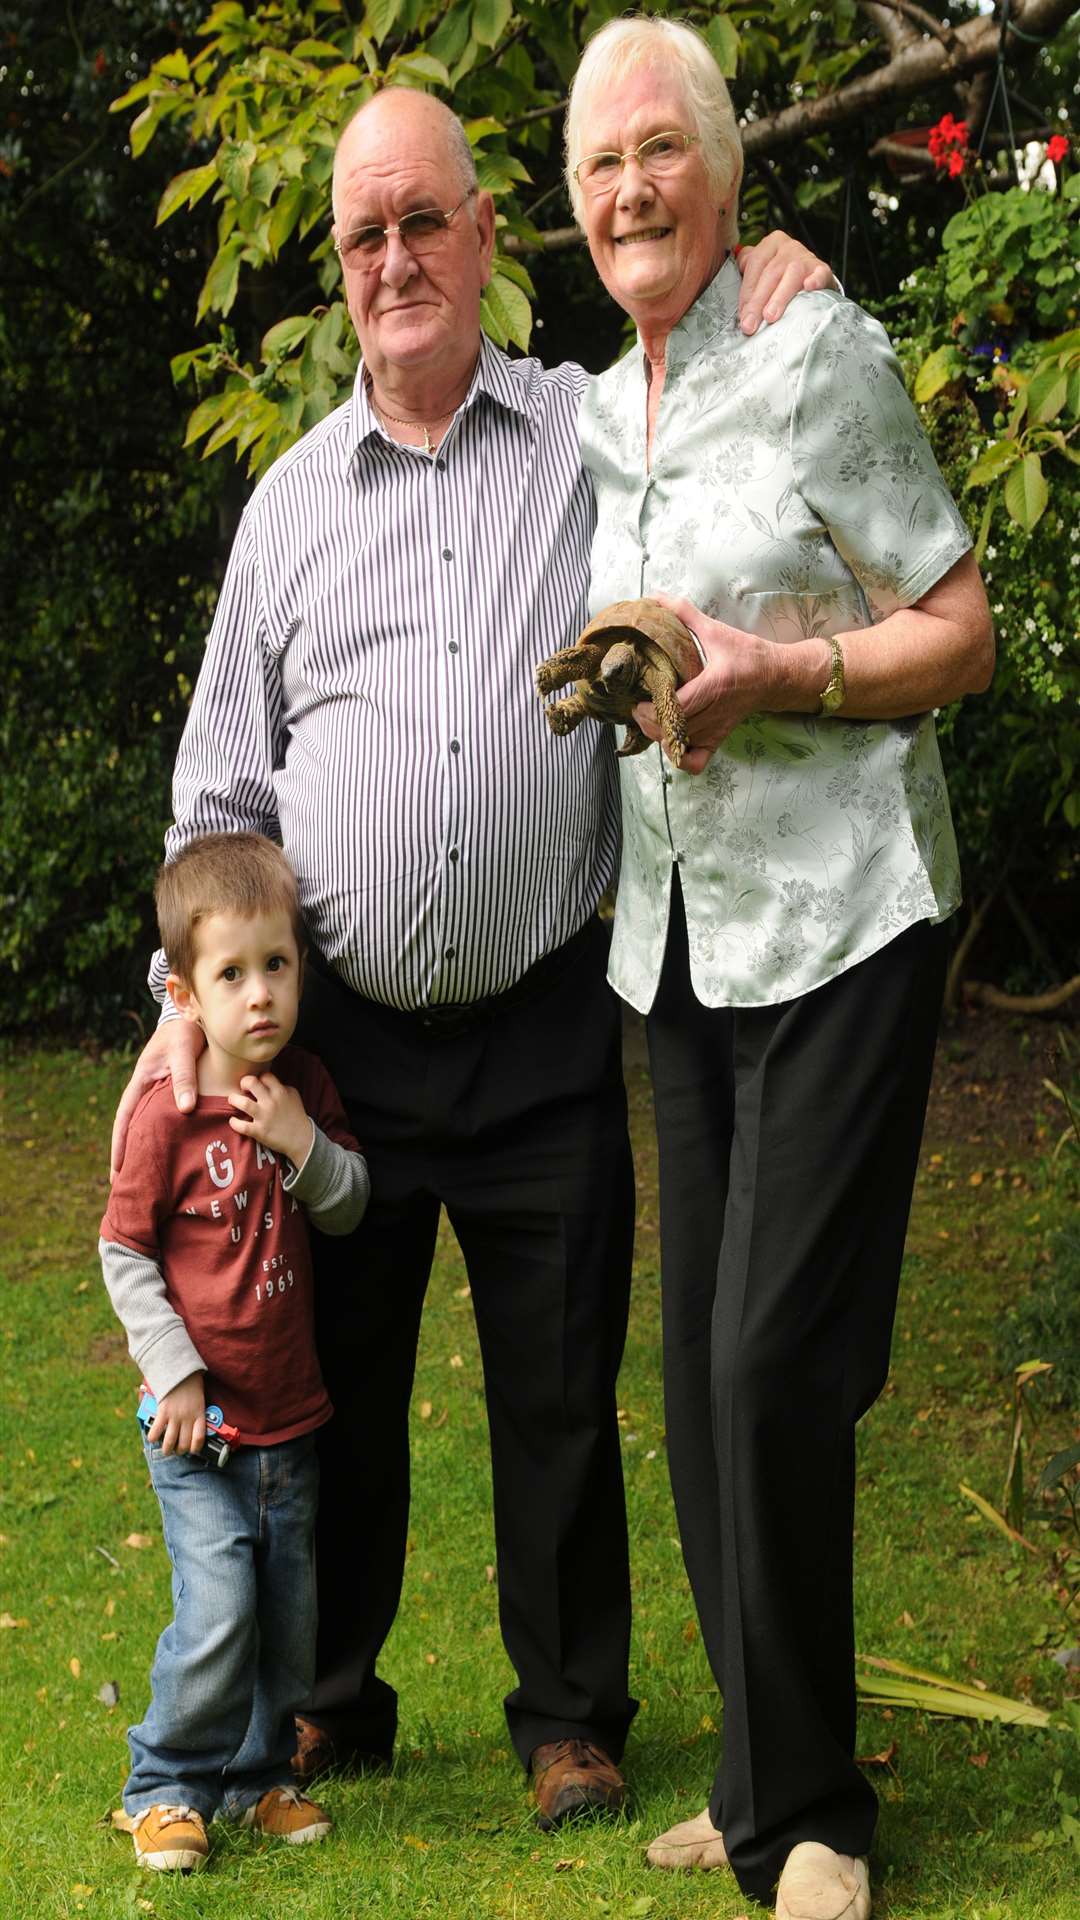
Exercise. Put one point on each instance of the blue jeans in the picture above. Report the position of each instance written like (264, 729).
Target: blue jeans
(238, 1657)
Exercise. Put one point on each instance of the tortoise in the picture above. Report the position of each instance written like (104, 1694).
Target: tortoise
(634, 650)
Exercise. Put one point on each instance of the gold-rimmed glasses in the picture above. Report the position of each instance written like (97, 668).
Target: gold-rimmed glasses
(661, 153)
(420, 232)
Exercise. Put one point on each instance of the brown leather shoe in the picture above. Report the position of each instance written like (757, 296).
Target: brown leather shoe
(573, 1776)
(317, 1754)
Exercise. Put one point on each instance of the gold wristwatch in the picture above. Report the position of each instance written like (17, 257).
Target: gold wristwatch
(833, 696)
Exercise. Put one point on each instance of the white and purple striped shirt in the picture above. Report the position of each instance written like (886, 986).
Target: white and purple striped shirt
(367, 692)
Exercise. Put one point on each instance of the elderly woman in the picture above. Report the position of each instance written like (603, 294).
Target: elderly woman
(780, 914)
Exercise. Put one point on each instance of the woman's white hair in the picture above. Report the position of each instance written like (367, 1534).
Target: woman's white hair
(642, 40)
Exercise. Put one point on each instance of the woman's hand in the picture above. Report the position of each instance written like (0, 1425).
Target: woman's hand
(740, 676)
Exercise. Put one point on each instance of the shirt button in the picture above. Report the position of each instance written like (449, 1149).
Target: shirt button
(450, 953)
(455, 746)
(452, 646)
(453, 853)
(441, 464)
(447, 554)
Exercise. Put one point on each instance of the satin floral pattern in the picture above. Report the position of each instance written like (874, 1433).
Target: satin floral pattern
(792, 493)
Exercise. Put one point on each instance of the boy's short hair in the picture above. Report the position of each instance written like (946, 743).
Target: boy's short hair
(241, 873)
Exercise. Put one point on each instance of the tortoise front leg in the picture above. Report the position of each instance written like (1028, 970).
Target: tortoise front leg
(661, 690)
(564, 715)
(634, 741)
(572, 663)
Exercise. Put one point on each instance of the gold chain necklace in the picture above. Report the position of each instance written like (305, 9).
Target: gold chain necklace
(397, 421)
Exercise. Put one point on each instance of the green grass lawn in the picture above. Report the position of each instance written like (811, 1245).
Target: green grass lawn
(972, 1814)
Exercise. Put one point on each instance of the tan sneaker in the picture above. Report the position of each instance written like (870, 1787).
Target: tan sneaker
(818, 1884)
(170, 1839)
(693, 1843)
(289, 1815)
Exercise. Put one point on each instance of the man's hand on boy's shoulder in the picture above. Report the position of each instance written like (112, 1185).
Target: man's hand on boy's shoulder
(170, 1053)
(274, 1115)
(180, 1421)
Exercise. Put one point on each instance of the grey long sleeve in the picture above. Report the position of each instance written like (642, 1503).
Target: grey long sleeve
(158, 1341)
(332, 1183)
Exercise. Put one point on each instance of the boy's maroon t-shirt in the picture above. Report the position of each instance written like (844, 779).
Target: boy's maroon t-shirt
(208, 1205)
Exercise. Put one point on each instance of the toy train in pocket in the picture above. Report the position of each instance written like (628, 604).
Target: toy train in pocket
(220, 1437)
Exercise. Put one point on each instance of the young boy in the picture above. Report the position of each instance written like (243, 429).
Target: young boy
(205, 1256)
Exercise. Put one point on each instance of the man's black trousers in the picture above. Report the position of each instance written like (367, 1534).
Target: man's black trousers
(517, 1125)
(789, 1137)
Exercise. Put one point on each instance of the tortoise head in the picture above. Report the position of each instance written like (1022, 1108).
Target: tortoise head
(620, 668)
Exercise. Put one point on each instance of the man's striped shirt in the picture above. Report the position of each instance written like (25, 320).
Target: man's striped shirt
(367, 693)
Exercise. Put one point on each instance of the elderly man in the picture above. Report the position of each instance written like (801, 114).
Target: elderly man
(366, 697)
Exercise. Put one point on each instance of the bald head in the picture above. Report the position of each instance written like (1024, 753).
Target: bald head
(399, 112)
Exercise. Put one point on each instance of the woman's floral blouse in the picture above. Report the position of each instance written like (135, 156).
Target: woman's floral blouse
(792, 492)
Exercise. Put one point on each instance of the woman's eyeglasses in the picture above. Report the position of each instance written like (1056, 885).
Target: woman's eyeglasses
(420, 232)
(660, 154)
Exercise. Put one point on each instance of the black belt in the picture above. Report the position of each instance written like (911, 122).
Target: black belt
(446, 1022)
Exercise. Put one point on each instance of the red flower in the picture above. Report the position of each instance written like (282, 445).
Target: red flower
(100, 62)
(956, 164)
(948, 144)
(1057, 148)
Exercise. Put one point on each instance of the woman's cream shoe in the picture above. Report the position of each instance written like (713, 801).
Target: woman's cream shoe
(693, 1843)
(818, 1884)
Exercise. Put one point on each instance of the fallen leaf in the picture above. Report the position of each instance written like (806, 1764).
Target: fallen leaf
(975, 1180)
(109, 1694)
(442, 1419)
(463, 1293)
(978, 1759)
(567, 1866)
(689, 1632)
(432, 1659)
(9, 1620)
(456, 1360)
(75, 1666)
(110, 1636)
(883, 1759)
(425, 1409)
(75, 1461)
(120, 1820)
(139, 1540)
(81, 1891)
(83, 1286)
(905, 1619)
(413, 1840)
(489, 1575)
(110, 1607)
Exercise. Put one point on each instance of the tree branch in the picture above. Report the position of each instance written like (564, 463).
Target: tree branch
(922, 64)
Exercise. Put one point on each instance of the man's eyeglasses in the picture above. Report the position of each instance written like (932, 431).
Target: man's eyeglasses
(660, 154)
(420, 232)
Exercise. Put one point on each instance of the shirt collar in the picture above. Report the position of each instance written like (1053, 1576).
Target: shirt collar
(714, 311)
(492, 378)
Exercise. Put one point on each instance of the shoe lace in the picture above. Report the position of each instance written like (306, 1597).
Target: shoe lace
(581, 1752)
(169, 1816)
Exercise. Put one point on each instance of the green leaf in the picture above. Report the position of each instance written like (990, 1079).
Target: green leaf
(507, 306)
(1026, 492)
(204, 417)
(1071, 808)
(1047, 394)
(995, 461)
(380, 17)
(219, 287)
(144, 126)
(943, 365)
(138, 92)
(423, 65)
(490, 19)
(286, 333)
(285, 214)
(1061, 1462)
(186, 188)
(234, 162)
(723, 37)
(174, 66)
